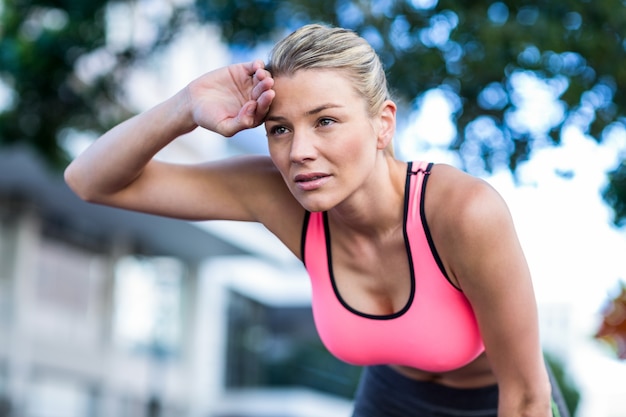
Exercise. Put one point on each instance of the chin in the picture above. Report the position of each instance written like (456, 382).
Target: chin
(314, 208)
(314, 205)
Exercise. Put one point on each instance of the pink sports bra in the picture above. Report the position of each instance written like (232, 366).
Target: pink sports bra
(436, 331)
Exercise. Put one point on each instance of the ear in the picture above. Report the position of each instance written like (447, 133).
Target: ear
(387, 124)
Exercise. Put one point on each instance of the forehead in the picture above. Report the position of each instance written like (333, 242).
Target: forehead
(309, 88)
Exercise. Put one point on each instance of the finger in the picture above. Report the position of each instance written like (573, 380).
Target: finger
(258, 64)
(263, 105)
(261, 87)
(247, 115)
(265, 100)
(261, 73)
(243, 120)
(253, 66)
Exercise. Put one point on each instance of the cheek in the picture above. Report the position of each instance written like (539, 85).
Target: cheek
(279, 156)
(358, 144)
(273, 148)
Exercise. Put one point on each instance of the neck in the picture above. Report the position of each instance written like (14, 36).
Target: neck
(376, 211)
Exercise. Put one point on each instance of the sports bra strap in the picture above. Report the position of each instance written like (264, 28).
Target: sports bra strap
(420, 167)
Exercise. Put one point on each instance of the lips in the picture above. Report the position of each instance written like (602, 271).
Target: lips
(311, 181)
(309, 177)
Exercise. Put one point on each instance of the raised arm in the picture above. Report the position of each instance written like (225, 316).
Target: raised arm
(482, 254)
(119, 169)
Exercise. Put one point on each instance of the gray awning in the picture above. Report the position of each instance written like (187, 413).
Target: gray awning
(25, 179)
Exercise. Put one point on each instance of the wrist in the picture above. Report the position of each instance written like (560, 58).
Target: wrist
(182, 111)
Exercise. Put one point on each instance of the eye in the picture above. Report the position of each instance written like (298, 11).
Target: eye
(325, 121)
(277, 130)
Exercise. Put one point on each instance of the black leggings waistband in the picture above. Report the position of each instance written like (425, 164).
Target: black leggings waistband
(384, 392)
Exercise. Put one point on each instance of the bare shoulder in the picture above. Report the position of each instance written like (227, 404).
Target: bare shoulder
(469, 221)
(463, 199)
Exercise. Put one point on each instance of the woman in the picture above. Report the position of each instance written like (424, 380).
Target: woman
(416, 269)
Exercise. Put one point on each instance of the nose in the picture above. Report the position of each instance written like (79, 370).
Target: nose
(303, 147)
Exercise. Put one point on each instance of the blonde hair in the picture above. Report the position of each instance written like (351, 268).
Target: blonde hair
(327, 48)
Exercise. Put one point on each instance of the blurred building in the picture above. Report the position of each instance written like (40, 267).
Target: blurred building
(105, 312)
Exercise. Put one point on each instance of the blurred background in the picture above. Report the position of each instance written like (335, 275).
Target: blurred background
(111, 313)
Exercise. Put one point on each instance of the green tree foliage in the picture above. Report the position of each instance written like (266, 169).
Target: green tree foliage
(615, 193)
(60, 73)
(569, 390)
(39, 48)
(471, 50)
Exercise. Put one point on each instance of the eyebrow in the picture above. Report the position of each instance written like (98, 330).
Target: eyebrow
(311, 112)
(322, 108)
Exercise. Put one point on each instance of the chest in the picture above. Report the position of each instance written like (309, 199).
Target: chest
(389, 303)
(372, 277)
(394, 308)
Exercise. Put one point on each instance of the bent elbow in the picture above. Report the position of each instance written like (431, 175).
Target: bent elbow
(75, 181)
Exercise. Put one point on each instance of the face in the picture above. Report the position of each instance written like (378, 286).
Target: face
(321, 138)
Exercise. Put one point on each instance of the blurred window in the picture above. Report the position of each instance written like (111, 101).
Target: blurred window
(68, 293)
(269, 346)
(148, 308)
(52, 396)
(7, 255)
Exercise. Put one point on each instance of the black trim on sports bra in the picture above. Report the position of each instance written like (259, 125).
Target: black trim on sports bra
(409, 302)
(305, 228)
(429, 237)
(431, 244)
